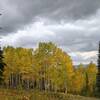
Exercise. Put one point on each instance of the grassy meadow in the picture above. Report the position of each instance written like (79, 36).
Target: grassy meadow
(37, 95)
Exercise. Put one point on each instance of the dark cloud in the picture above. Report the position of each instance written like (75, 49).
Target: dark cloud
(18, 13)
(74, 25)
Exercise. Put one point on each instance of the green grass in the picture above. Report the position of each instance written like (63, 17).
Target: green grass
(37, 95)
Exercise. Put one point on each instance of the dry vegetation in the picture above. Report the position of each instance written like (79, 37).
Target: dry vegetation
(36, 95)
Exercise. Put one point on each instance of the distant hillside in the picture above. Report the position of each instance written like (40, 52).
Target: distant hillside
(85, 65)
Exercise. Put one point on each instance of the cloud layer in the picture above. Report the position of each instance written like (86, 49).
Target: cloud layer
(18, 13)
(74, 25)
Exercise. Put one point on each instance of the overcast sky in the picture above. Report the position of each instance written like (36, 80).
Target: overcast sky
(74, 25)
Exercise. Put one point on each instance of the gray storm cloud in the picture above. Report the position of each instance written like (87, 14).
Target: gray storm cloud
(18, 13)
(74, 25)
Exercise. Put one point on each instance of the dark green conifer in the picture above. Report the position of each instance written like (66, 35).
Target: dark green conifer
(98, 74)
(1, 66)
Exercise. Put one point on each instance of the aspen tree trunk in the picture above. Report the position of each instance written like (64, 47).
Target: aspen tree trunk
(11, 79)
(35, 84)
(9, 82)
(43, 84)
(17, 80)
(20, 79)
(28, 81)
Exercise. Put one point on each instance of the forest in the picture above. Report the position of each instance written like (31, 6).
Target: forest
(45, 68)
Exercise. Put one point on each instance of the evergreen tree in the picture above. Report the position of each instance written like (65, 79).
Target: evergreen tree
(98, 74)
(1, 66)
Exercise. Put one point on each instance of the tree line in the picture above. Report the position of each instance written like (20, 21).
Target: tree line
(46, 68)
